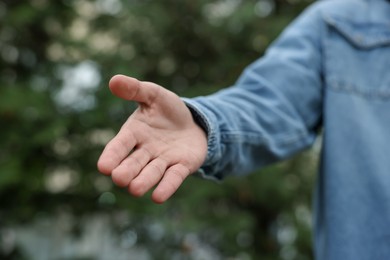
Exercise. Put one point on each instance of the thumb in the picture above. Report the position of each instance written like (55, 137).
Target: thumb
(132, 89)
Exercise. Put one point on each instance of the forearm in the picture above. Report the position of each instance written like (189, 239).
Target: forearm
(274, 109)
(245, 134)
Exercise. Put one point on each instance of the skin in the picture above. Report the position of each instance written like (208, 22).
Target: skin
(158, 146)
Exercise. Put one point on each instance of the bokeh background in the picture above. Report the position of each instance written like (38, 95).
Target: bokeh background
(56, 115)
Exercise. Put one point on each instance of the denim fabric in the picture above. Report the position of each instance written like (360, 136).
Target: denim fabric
(329, 70)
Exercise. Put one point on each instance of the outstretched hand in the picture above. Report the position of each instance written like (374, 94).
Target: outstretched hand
(159, 144)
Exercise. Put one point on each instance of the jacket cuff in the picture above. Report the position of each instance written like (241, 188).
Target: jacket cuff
(206, 120)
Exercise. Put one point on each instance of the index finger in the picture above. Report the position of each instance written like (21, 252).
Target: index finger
(116, 151)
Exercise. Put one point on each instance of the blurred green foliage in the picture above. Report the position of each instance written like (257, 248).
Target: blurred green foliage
(56, 114)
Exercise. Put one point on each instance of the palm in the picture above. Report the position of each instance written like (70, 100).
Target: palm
(156, 143)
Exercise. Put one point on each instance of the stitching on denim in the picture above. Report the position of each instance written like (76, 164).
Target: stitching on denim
(358, 37)
(342, 86)
(283, 140)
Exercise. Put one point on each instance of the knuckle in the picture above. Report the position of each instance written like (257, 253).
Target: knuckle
(180, 171)
(134, 163)
(156, 169)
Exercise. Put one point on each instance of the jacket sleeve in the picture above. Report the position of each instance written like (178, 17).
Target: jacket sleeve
(273, 110)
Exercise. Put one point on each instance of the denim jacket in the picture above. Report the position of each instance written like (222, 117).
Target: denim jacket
(329, 70)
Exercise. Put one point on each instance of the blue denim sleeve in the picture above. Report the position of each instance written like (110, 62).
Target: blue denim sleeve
(273, 110)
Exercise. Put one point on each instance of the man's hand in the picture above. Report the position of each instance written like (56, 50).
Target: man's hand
(159, 144)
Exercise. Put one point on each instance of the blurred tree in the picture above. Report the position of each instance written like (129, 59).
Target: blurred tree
(56, 114)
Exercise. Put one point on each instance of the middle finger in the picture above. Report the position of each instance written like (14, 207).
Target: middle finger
(131, 167)
(150, 175)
